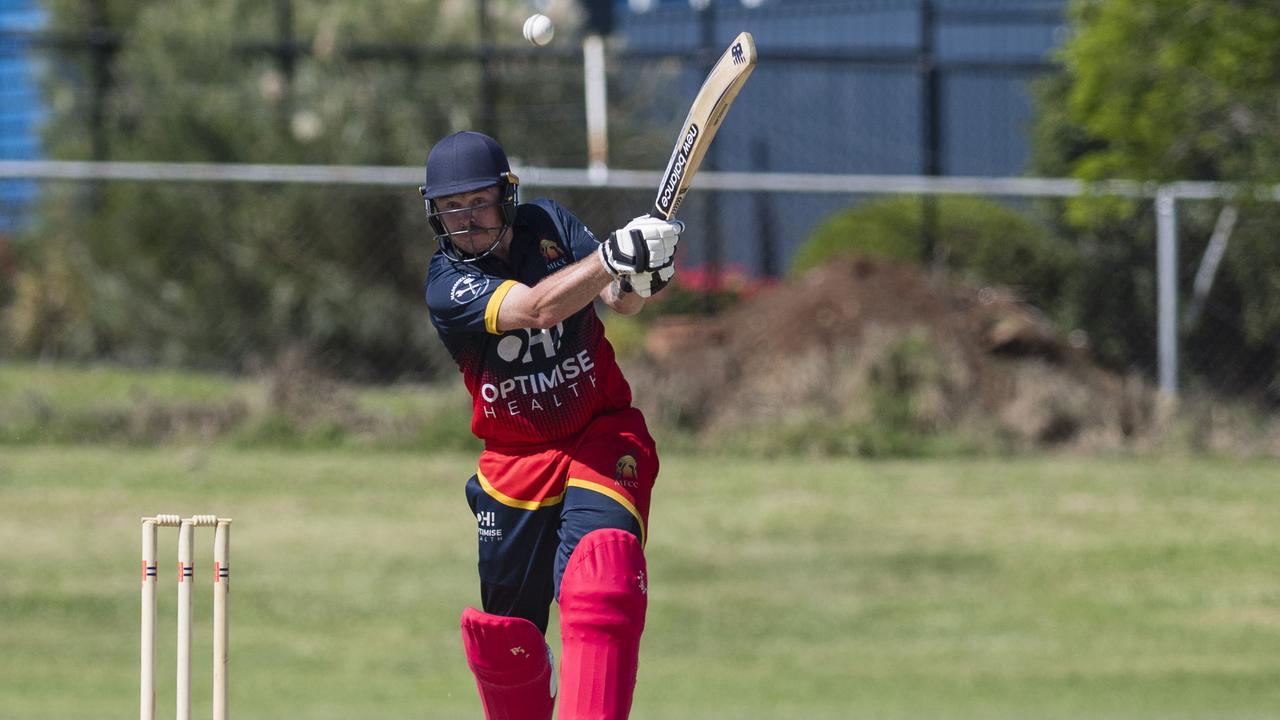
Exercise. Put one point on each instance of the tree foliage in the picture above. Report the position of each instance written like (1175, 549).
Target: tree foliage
(1176, 90)
(1168, 91)
(228, 276)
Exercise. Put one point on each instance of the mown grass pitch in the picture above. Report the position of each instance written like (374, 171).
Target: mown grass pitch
(976, 588)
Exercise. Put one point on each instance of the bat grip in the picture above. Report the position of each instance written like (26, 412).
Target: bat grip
(658, 213)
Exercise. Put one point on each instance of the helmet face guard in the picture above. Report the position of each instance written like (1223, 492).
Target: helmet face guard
(461, 163)
(508, 199)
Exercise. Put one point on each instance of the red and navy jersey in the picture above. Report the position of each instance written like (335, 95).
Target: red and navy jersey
(529, 386)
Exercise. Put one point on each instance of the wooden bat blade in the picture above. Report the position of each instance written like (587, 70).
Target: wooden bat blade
(705, 116)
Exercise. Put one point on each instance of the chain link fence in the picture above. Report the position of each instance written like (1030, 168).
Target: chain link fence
(232, 275)
(227, 274)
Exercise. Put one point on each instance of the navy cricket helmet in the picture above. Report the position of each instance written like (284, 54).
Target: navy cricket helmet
(463, 162)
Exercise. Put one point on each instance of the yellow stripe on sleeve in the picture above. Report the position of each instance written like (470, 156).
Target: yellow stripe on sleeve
(495, 302)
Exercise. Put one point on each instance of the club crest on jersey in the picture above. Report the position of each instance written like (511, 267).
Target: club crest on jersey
(625, 471)
(468, 288)
(551, 252)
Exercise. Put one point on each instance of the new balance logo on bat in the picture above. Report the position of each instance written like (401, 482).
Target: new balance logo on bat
(739, 56)
(675, 174)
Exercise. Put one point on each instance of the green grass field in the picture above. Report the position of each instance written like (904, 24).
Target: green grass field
(1025, 588)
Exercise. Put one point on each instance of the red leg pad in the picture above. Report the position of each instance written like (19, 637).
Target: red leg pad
(510, 662)
(603, 598)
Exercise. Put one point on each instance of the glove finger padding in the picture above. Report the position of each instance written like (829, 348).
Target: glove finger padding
(647, 284)
(643, 245)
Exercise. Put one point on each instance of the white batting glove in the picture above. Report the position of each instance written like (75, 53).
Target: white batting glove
(643, 245)
(647, 284)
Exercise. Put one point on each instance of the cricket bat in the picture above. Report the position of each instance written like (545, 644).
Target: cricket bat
(705, 115)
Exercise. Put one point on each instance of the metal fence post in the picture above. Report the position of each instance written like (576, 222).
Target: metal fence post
(1167, 284)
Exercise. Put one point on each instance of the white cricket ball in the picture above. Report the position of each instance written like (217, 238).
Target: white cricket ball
(539, 30)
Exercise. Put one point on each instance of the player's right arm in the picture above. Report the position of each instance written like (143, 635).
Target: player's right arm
(554, 298)
(644, 246)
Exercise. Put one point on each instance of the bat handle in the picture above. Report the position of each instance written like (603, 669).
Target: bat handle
(658, 213)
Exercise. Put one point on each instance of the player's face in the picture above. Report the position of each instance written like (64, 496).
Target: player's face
(473, 219)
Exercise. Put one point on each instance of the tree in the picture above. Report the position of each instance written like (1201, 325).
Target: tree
(227, 276)
(1176, 90)
(1165, 91)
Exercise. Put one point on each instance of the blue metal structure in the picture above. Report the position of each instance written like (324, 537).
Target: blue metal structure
(909, 87)
(20, 107)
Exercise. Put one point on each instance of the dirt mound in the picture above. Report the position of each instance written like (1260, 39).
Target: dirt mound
(867, 344)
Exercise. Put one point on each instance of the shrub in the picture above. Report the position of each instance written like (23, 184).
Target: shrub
(982, 240)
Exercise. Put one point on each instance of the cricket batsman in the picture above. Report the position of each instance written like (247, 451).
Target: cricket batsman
(561, 492)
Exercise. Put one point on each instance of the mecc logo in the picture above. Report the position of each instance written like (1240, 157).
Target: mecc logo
(679, 163)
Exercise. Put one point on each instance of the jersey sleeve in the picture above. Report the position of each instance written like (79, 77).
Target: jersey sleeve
(463, 299)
